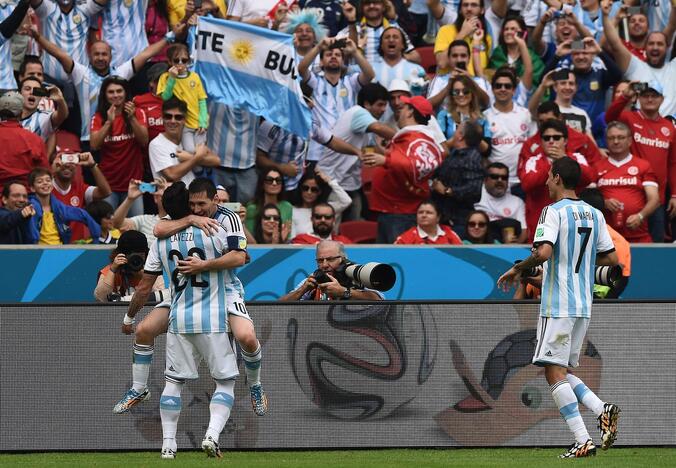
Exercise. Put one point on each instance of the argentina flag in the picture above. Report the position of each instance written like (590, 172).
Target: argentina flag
(251, 68)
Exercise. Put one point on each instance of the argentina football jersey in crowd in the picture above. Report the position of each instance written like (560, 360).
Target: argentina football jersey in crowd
(68, 31)
(232, 135)
(577, 233)
(88, 84)
(404, 70)
(124, 23)
(372, 38)
(40, 123)
(282, 147)
(7, 80)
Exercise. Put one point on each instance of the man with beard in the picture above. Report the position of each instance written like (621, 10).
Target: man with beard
(638, 29)
(323, 222)
(14, 214)
(655, 66)
(498, 203)
(333, 91)
(390, 63)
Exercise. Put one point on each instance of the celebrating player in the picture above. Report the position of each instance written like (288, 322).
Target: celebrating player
(198, 325)
(209, 216)
(570, 238)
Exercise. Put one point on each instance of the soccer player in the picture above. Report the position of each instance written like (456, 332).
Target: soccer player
(198, 325)
(209, 217)
(571, 237)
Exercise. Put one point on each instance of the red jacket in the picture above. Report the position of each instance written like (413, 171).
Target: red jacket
(311, 239)
(412, 237)
(402, 183)
(652, 140)
(21, 151)
(533, 176)
(578, 142)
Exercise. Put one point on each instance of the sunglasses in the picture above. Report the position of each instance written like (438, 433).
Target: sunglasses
(182, 61)
(327, 259)
(461, 92)
(503, 86)
(175, 117)
(497, 177)
(271, 218)
(273, 180)
(322, 216)
(479, 224)
(552, 137)
(307, 188)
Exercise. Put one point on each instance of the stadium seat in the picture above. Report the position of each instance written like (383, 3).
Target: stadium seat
(361, 232)
(429, 62)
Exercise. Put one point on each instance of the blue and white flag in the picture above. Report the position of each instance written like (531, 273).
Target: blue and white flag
(251, 68)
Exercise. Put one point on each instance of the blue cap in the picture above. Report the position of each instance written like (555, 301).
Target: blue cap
(656, 86)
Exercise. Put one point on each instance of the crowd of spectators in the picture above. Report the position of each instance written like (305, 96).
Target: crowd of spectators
(437, 119)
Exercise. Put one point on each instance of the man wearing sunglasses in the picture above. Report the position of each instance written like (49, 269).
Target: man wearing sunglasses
(323, 222)
(533, 174)
(498, 203)
(167, 157)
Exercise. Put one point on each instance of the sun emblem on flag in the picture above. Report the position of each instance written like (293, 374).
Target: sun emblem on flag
(242, 52)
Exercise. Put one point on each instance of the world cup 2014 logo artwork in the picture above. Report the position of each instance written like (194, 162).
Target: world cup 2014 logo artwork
(370, 361)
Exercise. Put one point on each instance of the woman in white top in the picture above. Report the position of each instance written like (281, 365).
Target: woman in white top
(314, 188)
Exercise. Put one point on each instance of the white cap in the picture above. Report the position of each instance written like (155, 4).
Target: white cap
(399, 85)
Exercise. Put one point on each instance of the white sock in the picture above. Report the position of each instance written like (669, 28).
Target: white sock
(252, 365)
(170, 410)
(140, 368)
(585, 395)
(567, 402)
(220, 407)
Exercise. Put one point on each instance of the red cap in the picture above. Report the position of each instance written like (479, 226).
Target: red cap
(420, 104)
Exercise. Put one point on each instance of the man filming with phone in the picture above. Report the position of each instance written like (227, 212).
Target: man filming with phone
(42, 123)
(323, 285)
(167, 157)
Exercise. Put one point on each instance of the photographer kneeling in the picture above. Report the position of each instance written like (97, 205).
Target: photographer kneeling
(325, 283)
(117, 281)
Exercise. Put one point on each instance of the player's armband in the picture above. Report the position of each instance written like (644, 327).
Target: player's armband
(236, 243)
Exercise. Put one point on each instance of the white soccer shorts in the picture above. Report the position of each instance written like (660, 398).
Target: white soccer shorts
(559, 341)
(186, 351)
(236, 306)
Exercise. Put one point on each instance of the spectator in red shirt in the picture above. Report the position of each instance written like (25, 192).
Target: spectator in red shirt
(427, 229)
(72, 190)
(653, 139)
(151, 103)
(577, 142)
(534, 172)
(323, 222)
(119, 130)
(401, 181)
(21, 150)
(628, 185)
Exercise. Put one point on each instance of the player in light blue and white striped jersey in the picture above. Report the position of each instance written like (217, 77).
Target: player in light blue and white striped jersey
(333, 92)
(66, 25)
(570, 239)
(124, 28)
(11, 16)
(88, 79)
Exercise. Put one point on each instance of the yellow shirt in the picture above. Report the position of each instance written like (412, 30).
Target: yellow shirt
(176, 9)
(447, 34)
(188, 90)
(49, 234)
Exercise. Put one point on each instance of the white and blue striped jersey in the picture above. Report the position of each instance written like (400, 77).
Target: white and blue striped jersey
(124, 28)
(88, 84)
(7, 80)
(330, 102)
(373, 38)
(658, 13)
(68, 31)
(577, 233)
(236, 240)
(282, 147)
(232, 135)
(198, 302)
(404, 70)
(40, 123)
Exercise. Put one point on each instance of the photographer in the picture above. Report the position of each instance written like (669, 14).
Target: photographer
(329, 281)
(118, 279)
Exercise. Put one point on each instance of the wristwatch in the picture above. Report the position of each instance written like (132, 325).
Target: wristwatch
(347, 294)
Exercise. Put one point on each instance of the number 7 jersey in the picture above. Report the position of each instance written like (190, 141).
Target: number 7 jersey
(577, 232)
(198, 302)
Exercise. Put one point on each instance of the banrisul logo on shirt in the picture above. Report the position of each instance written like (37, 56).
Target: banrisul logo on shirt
(539, 232)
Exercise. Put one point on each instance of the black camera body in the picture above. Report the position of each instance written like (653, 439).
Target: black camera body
(135, 263)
